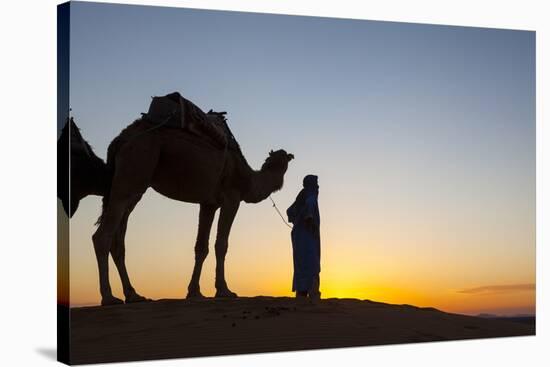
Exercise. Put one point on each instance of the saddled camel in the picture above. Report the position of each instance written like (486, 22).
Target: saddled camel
(184, 167)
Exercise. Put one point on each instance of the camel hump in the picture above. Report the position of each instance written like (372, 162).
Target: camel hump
(175, 111)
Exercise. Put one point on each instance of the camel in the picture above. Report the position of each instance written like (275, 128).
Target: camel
(88, 172)
(184, 167)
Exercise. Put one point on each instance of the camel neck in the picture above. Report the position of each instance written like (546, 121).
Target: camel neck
(263, 183)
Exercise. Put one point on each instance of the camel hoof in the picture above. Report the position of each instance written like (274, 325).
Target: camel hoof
(134, 298)
(109, 301)
(194, 294)
(225, 293)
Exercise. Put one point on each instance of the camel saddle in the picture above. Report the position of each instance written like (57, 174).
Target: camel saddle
(172, 110)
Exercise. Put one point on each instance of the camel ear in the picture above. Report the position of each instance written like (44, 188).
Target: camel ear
(290, 157)
(271, 152)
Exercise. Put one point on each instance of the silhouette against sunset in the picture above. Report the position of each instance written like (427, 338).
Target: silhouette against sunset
(422, 136)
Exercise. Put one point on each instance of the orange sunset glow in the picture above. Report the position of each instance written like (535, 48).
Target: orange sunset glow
(422, 136)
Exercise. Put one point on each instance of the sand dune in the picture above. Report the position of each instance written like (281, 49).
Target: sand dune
(189, 328)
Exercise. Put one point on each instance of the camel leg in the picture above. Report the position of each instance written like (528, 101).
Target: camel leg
(103, 239)
(131, 179)
(118, 252)
(227, 215)
(206, 216)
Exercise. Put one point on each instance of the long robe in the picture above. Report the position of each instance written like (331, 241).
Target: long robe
(306, 243)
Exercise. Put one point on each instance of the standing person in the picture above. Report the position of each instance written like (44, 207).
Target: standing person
(306, 241)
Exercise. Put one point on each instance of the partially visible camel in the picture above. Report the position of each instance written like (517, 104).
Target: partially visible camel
(183, 167)
(88, 172)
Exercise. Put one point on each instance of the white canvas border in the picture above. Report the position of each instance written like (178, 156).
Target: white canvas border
(28, 268)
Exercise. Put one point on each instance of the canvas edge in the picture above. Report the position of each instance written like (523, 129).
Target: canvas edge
(63, 169)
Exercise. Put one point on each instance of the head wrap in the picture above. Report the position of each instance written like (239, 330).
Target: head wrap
(311, 187)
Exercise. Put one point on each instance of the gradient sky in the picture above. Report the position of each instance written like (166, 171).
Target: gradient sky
(423, 138)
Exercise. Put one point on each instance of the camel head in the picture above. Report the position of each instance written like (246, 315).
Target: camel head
(275, 166)
(269, 178)
(277, 161)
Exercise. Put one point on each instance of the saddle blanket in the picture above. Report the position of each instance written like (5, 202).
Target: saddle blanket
(173, 110)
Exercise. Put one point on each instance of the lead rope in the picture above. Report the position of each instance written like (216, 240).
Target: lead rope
(279, 212)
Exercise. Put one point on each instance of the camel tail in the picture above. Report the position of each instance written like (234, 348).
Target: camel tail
(106, 187)
(104, 202)
(108, 173)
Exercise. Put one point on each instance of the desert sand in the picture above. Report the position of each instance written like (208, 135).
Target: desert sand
(205, 327)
